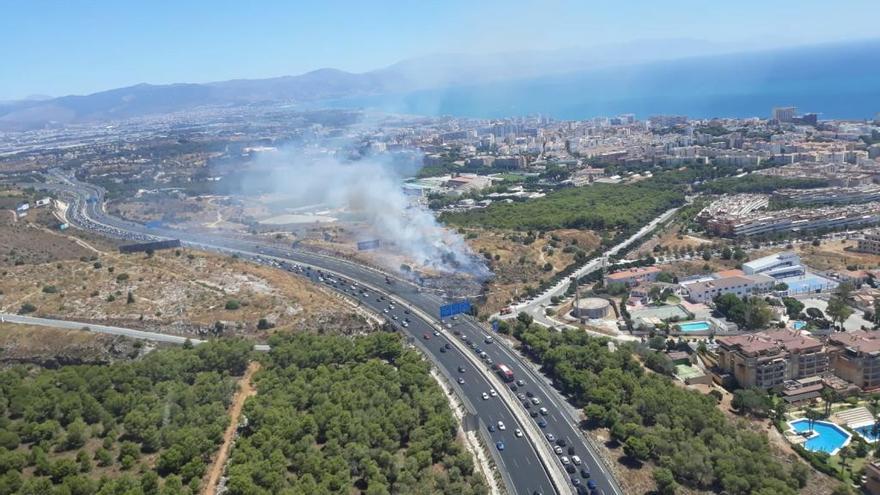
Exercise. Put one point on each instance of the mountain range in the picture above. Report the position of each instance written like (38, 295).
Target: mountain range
(673, 76)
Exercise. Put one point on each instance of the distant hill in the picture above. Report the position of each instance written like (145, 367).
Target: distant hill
(672, 76)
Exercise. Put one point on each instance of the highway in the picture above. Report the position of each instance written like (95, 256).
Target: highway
(526, 466)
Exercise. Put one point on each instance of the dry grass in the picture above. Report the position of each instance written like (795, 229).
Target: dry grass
(183, 293)
(51, 347)
(520, 265)
(32, 240)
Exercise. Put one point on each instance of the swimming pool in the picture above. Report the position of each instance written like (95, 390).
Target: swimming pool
(695, 326)
(798, 324)
(867, 432)
(827, 437)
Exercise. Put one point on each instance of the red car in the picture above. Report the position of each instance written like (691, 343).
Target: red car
(426, 336)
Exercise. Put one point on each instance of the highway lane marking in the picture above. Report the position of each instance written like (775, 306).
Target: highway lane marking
(401, 301)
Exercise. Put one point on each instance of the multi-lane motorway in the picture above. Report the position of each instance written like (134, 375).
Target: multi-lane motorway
(528, 463)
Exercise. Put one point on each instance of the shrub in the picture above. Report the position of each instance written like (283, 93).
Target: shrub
(232, 304)
(26, 308)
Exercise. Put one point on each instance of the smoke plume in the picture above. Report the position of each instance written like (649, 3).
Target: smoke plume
(370, 190)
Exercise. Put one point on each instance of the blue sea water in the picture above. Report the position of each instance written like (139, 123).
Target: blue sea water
(836, 82)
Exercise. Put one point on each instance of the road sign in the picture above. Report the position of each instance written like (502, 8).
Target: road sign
(367, 245)
(455, 308)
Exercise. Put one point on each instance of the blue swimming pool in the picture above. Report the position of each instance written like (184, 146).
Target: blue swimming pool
(798, 324)
(828, 437)
(867, 432)
(695, 326)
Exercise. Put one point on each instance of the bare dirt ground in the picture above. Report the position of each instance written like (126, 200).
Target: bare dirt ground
(834, 255)
(175, 291)
(30, 240)
(672, 238)
(218, 466)
(201, 212)
(518, 265)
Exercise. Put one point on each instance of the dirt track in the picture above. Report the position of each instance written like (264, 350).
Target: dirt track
(245, 390)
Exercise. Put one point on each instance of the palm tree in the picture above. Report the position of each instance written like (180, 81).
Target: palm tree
(812, 415)
(828, 397)
(844, 453)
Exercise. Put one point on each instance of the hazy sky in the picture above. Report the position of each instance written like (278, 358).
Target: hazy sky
(63, 47)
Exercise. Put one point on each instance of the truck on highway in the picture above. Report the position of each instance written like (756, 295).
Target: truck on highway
(505, 372)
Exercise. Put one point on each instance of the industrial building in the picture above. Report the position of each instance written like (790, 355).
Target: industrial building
(591, 308)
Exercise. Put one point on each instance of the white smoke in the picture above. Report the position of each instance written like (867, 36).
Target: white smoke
(371, 190)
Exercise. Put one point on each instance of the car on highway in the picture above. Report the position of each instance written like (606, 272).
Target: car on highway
(426, 336)
(491, 428)
(575, 481)
(460, 381)
(521, 396)
(493, 393)
(576, 460)
(561, 442)
(591, 484)
(518, 433)
(550, 437)
(543, 411)
(448, 345)
(499, 445)
(558, 450)
(585, 473)
(565, 460)
(436, 333)
(521, 383)
(461, 369)
(442, 349)
(501, 426)
(536, 401)
(485, 396)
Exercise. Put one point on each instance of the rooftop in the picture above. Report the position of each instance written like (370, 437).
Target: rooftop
(771, 340)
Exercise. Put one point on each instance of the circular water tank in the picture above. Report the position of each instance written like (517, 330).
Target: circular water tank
(592, 308)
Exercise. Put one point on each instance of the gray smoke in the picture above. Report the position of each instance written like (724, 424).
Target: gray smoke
(370, 189)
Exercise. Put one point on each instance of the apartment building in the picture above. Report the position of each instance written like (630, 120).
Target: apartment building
(870, 243)
(768, 359)
(855, 357)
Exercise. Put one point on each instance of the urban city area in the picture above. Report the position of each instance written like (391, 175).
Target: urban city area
(637, 267)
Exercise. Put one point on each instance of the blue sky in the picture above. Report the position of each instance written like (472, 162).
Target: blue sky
(69, 47)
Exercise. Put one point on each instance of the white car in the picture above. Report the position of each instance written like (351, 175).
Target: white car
(485, 396)
(518, 433)
(501, 426)
(558, 450)
(493, 393)
(564, 460)
(576, 460)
